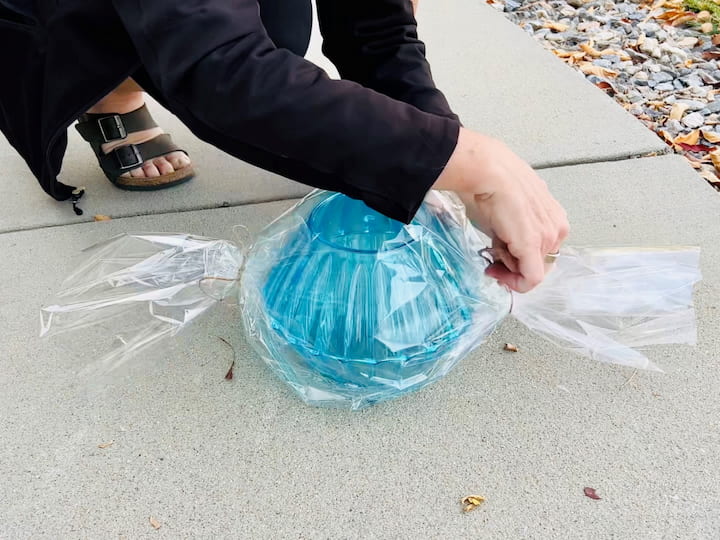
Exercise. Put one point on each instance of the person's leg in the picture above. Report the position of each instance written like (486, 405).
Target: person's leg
(289, 25)
(126, 98)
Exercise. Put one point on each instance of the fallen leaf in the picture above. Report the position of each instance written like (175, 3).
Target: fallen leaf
(606, 86)
(686, 19)
(556, 26)
(696, 147)
(510, 347)
(573, 55)
(716, 39)
(677, 111)
(155, 523)
(471, 502)
(590, 492)
(711, 55)
(690, 138)
(591, 69)
(229, 374)
(698, 163)
(101, 217)
(591, 51)
(106, 445)
(665, 135)
(715, 157)
(711, 136)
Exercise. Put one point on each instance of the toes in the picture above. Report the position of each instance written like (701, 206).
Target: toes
(163, 165)
(137, 173)
(151, 171)
(178, 160)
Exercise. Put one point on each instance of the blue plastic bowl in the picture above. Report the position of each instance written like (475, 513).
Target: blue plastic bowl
(346, 303)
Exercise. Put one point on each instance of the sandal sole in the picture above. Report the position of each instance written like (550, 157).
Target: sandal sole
(164, 181)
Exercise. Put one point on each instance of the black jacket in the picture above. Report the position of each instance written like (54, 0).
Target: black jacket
(382, 134)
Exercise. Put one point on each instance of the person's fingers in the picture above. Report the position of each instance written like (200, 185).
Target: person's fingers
(501, 254)
(531, 265)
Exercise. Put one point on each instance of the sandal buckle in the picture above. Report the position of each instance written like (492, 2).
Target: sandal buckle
(112, 128)
(128, 157)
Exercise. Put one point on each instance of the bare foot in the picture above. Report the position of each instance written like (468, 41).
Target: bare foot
(126, 98)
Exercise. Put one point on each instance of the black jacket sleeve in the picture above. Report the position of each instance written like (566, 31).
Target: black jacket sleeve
(375, 43)
(214, 59)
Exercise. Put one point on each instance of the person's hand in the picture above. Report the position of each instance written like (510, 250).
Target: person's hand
(511, 204)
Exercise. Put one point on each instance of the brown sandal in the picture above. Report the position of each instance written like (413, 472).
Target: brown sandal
(98, 129)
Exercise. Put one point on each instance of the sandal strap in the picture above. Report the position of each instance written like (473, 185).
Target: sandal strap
(132, 156)
(108, 127)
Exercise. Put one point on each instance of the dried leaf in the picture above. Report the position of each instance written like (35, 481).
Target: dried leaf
(155, 523)
(591, 69)
(715, 157)
(590, 492)
(556, 26)
(686, 19)
(711, 55)
(106, 445)
(101, 217)
(677, 111)
(568, 55)
(696, 147)
(665, 135)
(711, 136)
(471, 502)
(689, 138)
(229, 374)
(607, 87)
(589, 50)
(510, 347)
(716, 39)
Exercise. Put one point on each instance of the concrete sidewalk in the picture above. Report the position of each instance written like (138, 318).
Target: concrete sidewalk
(210, 458)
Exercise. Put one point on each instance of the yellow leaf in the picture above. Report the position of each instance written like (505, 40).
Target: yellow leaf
(101, 217)
(556, 26)
(106, 445)
(155, 523)
(711, 136)
(715, 157)
(678, 109)
(589, 50)
(665, 135)
(591, 69)
(691, 138)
